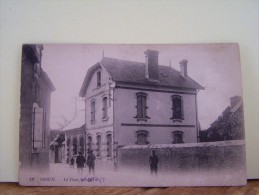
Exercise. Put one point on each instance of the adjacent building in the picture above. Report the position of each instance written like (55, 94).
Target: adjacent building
(131, 102)
(69, 141)
(36, 88)
(229, 125)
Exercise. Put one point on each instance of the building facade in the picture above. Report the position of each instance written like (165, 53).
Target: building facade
(229, 125)
(70, 141)
(131, 103)
(36, 88)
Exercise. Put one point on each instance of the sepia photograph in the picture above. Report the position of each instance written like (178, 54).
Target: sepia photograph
(146, 115)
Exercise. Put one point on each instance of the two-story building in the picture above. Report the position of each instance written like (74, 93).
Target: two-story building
(36, 89)
(131, 102)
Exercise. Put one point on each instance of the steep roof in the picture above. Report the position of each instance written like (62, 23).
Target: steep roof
(47, 80)
(134, 72)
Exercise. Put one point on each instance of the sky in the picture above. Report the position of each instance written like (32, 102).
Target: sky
(214, 66)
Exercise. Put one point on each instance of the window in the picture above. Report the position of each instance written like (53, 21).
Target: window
(68, 150)
(142, 137)
(74, 146)
(98, 143)
(98, 78)
(177, 137)
(141, 106)
(38, 127)
(89, 143)
(105, 107)
(109, 145)
(177, 108)
(92, 111)
(82, 145)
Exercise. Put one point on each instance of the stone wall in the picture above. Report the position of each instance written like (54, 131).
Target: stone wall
(220, 156)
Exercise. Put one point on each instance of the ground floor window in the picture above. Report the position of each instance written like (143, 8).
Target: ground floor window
(68, 150)
(142, 137)
(98, 143)
(74, 146)
(109, 145)
(177, 137)
(89, 143)
(82, 145)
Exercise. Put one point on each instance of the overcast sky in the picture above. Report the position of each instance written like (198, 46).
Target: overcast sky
(214, 66)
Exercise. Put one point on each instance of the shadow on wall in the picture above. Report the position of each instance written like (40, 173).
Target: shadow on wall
(225, 155)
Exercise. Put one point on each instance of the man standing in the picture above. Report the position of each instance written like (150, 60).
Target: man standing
(80, 161)
(91, 161)
(153, 161)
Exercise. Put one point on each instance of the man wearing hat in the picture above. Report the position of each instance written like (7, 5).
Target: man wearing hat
(91, 161)
(80, 161)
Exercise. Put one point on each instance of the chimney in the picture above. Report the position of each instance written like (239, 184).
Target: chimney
(151, 65)
(234, 100)
(183, 67)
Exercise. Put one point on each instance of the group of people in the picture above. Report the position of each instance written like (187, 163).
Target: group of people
(90, 162)
(81, 162)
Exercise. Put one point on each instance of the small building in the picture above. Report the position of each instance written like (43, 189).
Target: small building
(36, 88)
(69, 141)
(139, 103)
(229, 125)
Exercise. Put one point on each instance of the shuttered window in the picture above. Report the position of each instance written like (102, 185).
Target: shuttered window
(141, 106)
(38, 127)
(142, 137)
(177, 108)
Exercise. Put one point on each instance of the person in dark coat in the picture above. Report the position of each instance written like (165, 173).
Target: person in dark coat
(153, 161)
(91, 161)
(80, 161)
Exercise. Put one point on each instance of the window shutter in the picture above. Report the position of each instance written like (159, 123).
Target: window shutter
(38, 128)
(144, 104)
(182, 111)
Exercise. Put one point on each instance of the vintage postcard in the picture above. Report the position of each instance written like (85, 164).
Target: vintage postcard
(131, 115)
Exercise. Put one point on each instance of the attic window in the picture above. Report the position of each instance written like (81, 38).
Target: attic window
(98, 78)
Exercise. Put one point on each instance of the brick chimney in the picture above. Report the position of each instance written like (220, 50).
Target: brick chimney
(183, 68)
(234, 100)
(151, 65)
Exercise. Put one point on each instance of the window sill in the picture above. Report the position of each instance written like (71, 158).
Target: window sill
(177, 142)
(105, 119)
(177, 120)
(142, 119)
(98, 87)
(92, 122)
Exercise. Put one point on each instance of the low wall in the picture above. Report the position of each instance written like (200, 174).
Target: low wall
(223, 155)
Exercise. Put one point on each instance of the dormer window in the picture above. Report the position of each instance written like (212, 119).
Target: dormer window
(98, 78)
